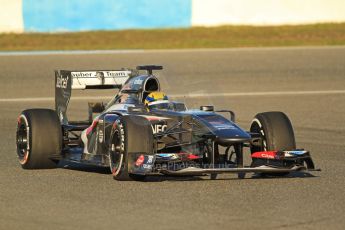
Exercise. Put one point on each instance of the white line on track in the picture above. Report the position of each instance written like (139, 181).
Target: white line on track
(135, 51)
(67, 52)
(244, 94)
(199, 95)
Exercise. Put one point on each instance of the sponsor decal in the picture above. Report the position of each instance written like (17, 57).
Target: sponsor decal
(294, 153)
(138, 82)
(81, 74)
(157, 128)
(170, 156)
(266, 155)
(62, 82)
(224, 127)
(116, 74)
(96, 78)
(300, 152)
(93, 74)
(277, 155)
(122, 132)
(175, 156)
(221, 125)
(149, 160)
(100, 136)
(147, 166)
(140, 160)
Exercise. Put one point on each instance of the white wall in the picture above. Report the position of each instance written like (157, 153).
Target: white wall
(266, 12)
(11, 18)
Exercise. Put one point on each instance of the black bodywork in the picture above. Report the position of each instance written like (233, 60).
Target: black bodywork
(185, 142)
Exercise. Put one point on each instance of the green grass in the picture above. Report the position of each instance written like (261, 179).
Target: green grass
(197, 37)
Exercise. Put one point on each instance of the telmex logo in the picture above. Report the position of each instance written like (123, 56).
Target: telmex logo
(159, 128)
(61, 82)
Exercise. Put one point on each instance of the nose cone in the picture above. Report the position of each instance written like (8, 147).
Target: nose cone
(228, 137)
(225, 131)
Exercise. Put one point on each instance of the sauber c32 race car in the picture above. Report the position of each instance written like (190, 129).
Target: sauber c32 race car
(136, 141)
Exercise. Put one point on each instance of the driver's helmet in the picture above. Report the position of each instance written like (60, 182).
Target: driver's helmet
(157, 100)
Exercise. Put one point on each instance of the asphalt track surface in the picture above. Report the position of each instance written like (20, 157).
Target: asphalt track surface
(79, 197)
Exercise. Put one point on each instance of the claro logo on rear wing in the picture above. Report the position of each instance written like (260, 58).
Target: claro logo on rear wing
(66, 80)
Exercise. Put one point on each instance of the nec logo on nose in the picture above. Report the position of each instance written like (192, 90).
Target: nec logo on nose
(158, 128)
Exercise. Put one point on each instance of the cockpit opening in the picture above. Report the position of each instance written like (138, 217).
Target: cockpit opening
(151, 85)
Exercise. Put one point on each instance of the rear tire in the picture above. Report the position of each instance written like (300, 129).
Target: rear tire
(131, 134)
(39, 139)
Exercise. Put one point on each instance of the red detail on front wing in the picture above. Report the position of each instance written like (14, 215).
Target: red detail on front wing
(265, 155)
(192, 157)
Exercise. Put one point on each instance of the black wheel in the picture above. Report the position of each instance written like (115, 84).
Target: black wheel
(276, 131)
(131, 134)
(39, 139)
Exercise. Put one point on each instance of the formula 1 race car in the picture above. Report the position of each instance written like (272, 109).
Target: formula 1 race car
(137, 139)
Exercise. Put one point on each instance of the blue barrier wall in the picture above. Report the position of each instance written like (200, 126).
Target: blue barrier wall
(79, 15)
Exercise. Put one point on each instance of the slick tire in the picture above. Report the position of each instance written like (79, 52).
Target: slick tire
(276, 132)
(39, 139)
(131, 134)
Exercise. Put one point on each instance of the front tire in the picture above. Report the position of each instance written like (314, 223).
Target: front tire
(275, 130)
(276, 133)
(131, 134)
(39, 139)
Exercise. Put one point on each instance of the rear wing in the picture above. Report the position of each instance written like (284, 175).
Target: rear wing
(66, 80)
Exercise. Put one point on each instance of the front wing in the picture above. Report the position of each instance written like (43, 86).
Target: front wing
(288, 161)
